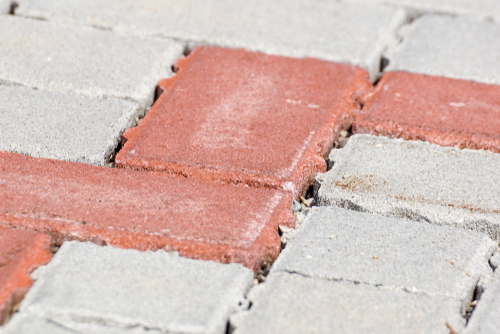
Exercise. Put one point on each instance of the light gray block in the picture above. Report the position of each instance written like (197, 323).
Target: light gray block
(416, 180)
(345, 245)
(5, 6)
(62, 126)
(127, 288)
(83, 60)
(495, 261)
(485, 318)
(330, 30)
(458, 47)
(291, 303)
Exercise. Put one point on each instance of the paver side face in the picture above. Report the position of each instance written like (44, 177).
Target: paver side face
(416, 180)
(244, 117)
(447, 112)
(20, 253)
(129, 209)
(485, 318)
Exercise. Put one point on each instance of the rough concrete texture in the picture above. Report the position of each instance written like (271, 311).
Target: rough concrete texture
(127, 288)
(483, 9)
(485, 319)
(415, 180)
(458, 48)
(62, 126)
(83, 60)
(330, 30)
(345, 245)
(20, 253)
(129, 209)
(291, 303)
(246, 117)
(447, 112)
(495, 261)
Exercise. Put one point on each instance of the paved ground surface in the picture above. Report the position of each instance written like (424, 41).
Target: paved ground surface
(298, 166)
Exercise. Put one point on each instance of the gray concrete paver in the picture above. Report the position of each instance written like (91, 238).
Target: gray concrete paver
(415, 180)
(292, 303)
(86, 283)
(455, 47)
(329, 30)
(495, 260)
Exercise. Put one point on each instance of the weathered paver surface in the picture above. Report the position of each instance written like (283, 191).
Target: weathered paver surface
(415, 180)
(20, 253)
(444, 111)
(129, 209)
(245, 117)
(109, 287)
(458, 48)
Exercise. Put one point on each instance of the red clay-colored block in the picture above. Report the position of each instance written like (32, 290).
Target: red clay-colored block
(245, 117)
(447, 112)
(21, 252)
(145, 211)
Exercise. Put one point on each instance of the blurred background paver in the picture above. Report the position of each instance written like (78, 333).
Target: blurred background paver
(415, 180)
(110, 287)
(245, 117)
(330, 30)
(145, 211)
(21, 252)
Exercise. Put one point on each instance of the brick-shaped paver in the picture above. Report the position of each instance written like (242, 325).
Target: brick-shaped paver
(20, 253)
(87, 61)
(444, 111)
(130, 209)
(330, 30)
(486, 315)
(110, 287)
(245, 117)
(415, 180)
(345, 245)
(455, 47)
(62, 126)
(292, 303)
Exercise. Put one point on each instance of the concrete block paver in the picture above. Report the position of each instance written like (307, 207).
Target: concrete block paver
(415, 180)
(346, 245)
(455, 47)
(444, 111)
(130, 209)
(485, 318)
(63, 126)
(292, 303)
(83, 60)
(20, 253)
(330, 30)
(120, 288)
(244, 117)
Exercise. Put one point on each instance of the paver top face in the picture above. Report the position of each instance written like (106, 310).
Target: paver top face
(416, 180)
(447, 112)
(340, 244)
(460, 48)
(130, 209)
(127, 288)
(245, 117)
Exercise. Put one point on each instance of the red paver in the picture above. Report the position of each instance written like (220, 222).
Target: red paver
(447, 112)
(21, 252)
(245, 117)
(145, 211)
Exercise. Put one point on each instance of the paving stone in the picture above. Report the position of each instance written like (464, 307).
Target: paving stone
(83, 60)
(330, 30)
(291, 303)
(447, 112)
(120, 288)
(485, 317)
(415, 180)
(339, 244)
(245, 117)
(5, 6)
(62, 126)
(458, 47)
(130, 209)
(495, 260)
(20, 253)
